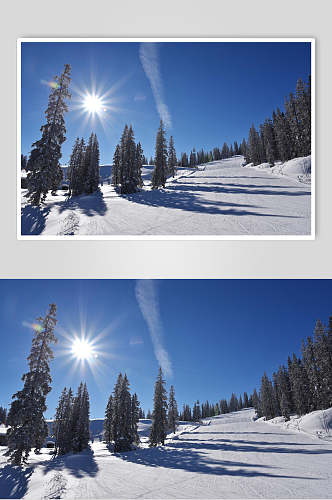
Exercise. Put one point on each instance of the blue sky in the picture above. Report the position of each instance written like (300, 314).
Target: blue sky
(212, 336)
(211, 92)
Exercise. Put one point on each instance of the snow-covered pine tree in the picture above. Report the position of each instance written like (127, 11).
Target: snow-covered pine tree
(224, 151)
(268, 405)
(310, 365)
(28, 427)
(196, 412)
(116, 167)
(44, 171)
(255, 147)
(172, 415)
(92, 165)
(24, 162)
(128, 149)
(303, 110)
(256, 403)
(116, 417)
(74, 420)
(62, 423)
(108, 436)
(74, 171)
(135, 416)
(139, 159)
(84, 420)
(3, 415)
(122, 438)
(158, 431)
(283, 135)
(159, 174)
(270, 144)
(299, 383)
(323, 356)
(233, 403)
(172, 160)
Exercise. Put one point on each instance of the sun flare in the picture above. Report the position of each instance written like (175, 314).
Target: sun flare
(82, 349)
(93, 104)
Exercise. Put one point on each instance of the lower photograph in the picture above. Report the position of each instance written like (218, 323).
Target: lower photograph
(166, 389)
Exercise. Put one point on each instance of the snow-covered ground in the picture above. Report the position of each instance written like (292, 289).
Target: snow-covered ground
(232, 457)
(297, 168)
(317, 423)
(220, 198)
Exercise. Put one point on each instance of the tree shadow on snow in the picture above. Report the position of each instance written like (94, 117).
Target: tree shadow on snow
(87, 204)
(79, 465)
(14, 481)
(185, 199)
(249, 446)
(33, 219)
(237, 189)
(173, 457)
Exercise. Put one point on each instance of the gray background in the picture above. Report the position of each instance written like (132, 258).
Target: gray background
(166, 259)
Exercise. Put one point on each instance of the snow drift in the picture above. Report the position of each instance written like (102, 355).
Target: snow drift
(297, 168)
(317, 423)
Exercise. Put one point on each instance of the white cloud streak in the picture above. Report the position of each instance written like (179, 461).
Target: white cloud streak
(148, 302)
(148, 53)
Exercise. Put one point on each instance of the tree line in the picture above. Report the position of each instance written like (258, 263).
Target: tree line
(305, 384)
(287, 134)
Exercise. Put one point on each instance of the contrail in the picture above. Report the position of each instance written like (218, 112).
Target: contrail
(147, 299)
(148, 53)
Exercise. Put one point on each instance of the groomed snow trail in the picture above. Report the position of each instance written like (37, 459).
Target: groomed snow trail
(232, 457)
(223, 199)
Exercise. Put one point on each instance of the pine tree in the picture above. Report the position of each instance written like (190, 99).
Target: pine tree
(108, 427)
(323, 356)
(245, 400)
(3, 415)
(91, 162)
(255, 147)
(116, 167)
(267, 398)
(270, 143)
(28, 427)
(171, 163)
(74, 171)
(233, 403)
(283, 135)
(310, 365)
(62, 423)
(299, 383)
(135, 416)
(159, 174)
(24, 162)
(159, 417)
(172, 411)
(44, 171)
(139, 160)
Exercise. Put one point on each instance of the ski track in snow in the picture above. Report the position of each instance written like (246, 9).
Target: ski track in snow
(233, 457)
(221, 199)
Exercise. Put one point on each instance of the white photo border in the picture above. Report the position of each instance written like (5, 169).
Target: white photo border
(311, 236)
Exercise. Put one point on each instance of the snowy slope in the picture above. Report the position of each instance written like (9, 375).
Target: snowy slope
(233, 457)
(317, 423)
(298, 169)
(221, 198)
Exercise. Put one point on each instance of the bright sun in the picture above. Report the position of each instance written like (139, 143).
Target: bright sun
(81, 349)
(92, 103)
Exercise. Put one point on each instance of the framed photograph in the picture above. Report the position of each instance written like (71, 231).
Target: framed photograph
(173, 138)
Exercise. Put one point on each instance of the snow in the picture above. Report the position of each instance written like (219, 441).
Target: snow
(298, 169)
(233, 457)
(317, 423)
(219, 198)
